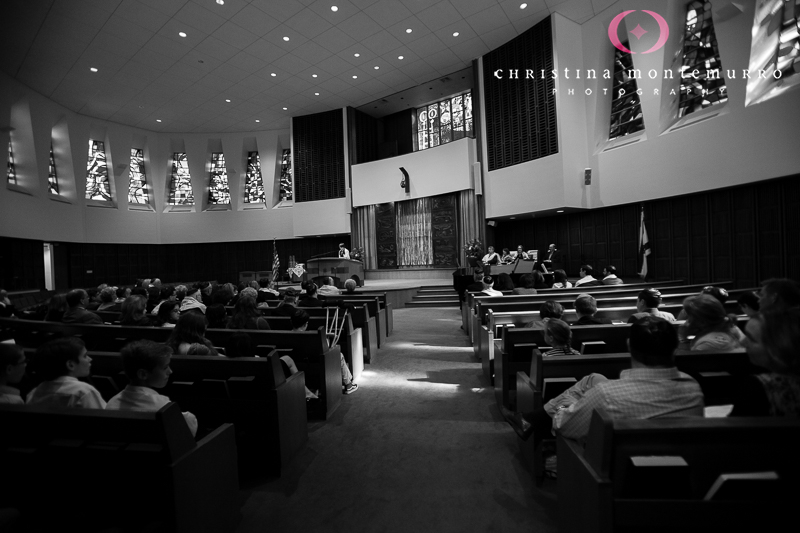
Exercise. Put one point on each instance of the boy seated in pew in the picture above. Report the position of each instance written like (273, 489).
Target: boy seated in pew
(60, 363)
(146, 364)
(300, 323)
(12, 363)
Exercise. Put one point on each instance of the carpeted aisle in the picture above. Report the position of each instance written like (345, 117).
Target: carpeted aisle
(420, 446)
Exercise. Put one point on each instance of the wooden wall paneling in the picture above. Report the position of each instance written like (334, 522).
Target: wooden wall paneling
(614, 236)
(744, 236)
(574, 244)
(658, 221)
(699, 248)
(770, 238)
(791, 225)
(587, 239)
(561, 239)
(680, 239)
(21, 264)
(600, 224)
(721, 235)
(630, 240)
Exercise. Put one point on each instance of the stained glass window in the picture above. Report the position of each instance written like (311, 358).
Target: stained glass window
(218, 192)
(701, 53)
(774, 50)
(254, 187)
(52, 177)
(137, 184)
(180, 186)
(626, 108)
(98, 186)
(286, 175)
(11, 173)
(444, 121)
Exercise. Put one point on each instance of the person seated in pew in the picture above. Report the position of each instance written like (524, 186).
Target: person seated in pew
(538, 280)
(56, 307)
(504, 282)
(780, 292)
(289, 304)
(586, 308)
(477, 281)
(310, 298)
(77, 299)
(749, 304)
(328, 288)
(491, 257)
(239, 344)
(549, 309)
(506, 257)
(12, 370)
(610, 276)
(246, 315)
(773, 337)
(586, 277)
(217, 316)
(190, 329)
(146, 364)
(488, 287)
(192, 303)
(526, 285)
(718, 293)
(350, 286)
(647, 304)
(558, 335)
(707, 327)
(300, 323)
(59, 363)
(6, 306)
(153, 298)
(133, 310)
(168, 315)
(108, 300)
(560, 280)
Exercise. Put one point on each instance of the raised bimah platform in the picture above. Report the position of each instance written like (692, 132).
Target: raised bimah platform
(337, 268)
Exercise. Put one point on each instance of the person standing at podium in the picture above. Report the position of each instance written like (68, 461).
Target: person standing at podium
(344, 253)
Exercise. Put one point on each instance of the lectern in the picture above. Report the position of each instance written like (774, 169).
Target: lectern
(337, 268)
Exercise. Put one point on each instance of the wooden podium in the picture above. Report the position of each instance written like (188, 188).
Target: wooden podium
(335, 267)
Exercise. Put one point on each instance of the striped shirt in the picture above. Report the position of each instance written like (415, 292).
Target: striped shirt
(561, 351)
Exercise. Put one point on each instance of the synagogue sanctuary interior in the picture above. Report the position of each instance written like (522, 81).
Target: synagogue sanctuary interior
(281, 142)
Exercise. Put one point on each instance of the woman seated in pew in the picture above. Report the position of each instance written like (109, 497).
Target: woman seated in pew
(558, 335)
(772, 341)
(246, 315)
(549, 309)
(709, 326)
(168, 315)
(538, 280)
(59, 363)
(560, 280)
(217, 316)
(133, 309)
(310, 298)
(190, 329)
(56, 308)
(108, 300)
(526, 285)
(12, 370)
(504, 282)
(146, 364)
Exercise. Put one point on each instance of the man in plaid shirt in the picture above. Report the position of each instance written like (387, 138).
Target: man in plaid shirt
(651, 388)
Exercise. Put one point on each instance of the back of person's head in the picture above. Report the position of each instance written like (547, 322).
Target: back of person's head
(780, 292)
(748, 299)
(777, 337)
(263, 283)
(165, 311)
(216, 316)
(157, 282)
(290, 295)
(504, 282)
(198, 348)
(526, 281)
(717, 292)
(653, 341)
(195, 291)
(254, 284)
(75, 297)
(538, 279)
(704, 313)
(299, 319)
(11, 356)
(146, 283)
(478, 275)
(57, 302)
(191, 327)
(311, 289)
(92, 294)
(132, 308)
(153, 293)
(222, 295)
(551, 309)
(329, 281)
(122, 292)
(139, 291)
(560, 276)
(248, 292)
(246, 305)
(166, 292)
(585, 304)
(143, 355)
(587, 270)
(240, 345)
(108, 295)
(52, 357)
(180, 292)
(558, 331)
(650, 297)
(350, 285)
(611, 269)
(487, 282)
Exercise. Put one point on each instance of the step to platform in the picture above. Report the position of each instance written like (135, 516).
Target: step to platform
(433, 303)
(434, 297)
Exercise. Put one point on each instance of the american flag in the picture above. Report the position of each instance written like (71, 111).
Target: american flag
(276, 262)
(644, 247)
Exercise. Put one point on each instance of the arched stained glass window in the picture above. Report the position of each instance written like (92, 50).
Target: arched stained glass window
(286, 175)
(180, 185)
(626, 108)
(444, 121)
(137, 183)
(11, 172)
(52, 176)
(254, 187)
(218, 191)
(700, 52)
(97, 184)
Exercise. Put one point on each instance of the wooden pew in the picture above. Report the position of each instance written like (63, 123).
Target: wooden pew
(268, 410)
(373, 304)
(382, 299)
(601, 488)
(116, 469)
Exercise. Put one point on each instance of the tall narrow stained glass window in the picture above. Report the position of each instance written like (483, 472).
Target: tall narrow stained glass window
(444, 121)
(98, 186)
(137, 183)
(11, 172)
(626, 107)
(700, 52)
(286, 175)
(253, 186)
(180, 185)
(774, 49)
(218, 191)
(52, 176)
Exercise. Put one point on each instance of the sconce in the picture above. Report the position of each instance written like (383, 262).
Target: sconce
(406, 181)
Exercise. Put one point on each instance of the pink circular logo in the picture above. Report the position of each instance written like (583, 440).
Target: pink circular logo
(638, 31)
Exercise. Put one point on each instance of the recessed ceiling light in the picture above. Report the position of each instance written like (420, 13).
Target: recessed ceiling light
(258, 120)
(377, 67)
(334, 9)
(400, 57)
(409, 30)
(316, 94)
(228, 100)
(221, 2)
(93, 69)
(561, 211)
(182, 33)
(285, 108)
(285, 38)
(523, 6)
(313, 75)
(273, 74)
(355, 77)
(455, 34)
(158, 120)
(356, 55)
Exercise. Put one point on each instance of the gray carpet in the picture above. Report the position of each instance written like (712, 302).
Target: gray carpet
(420, 446)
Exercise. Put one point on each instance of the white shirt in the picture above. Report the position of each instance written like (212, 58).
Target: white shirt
(329, 290)
(66, 391)
(344, 253)
(135, 398)
(585, 279)
(10, 395)
(492, 292)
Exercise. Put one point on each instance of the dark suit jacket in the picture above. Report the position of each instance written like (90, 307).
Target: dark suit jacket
(612, 281)
(79, 315)
(284, 310)
(588, 321)
(309, 302)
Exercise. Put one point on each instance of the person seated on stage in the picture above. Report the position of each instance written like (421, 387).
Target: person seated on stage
(504, 282)
(707, 327)
(549, 309)
(350, 286)
(246, 315)
(310, 299)
(12, 370)
(193, 301)
(526, 285)
(560, 280)
(59, 363)
(488, 287)
(108, 297)
(647, 305)
(344, 253)
(190, 329)
(506, 257)
(300, 323)
(328, 288)
(773, 336)
(586, 276)
(782, 293)
(550, 255)
(610, 276)
(133, 312)
(521, 254)
(586, 308)
(491, 257)
(146, 364)
(289, 304)
(749, 303)
(77, 313)
(168, 315)
(558, 335)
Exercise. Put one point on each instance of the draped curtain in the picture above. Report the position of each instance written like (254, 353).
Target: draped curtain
(363, 224)
(470, 220)
(414, 242)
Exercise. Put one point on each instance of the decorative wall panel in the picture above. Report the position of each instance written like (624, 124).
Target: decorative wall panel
(386, 236)
(444, 229)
